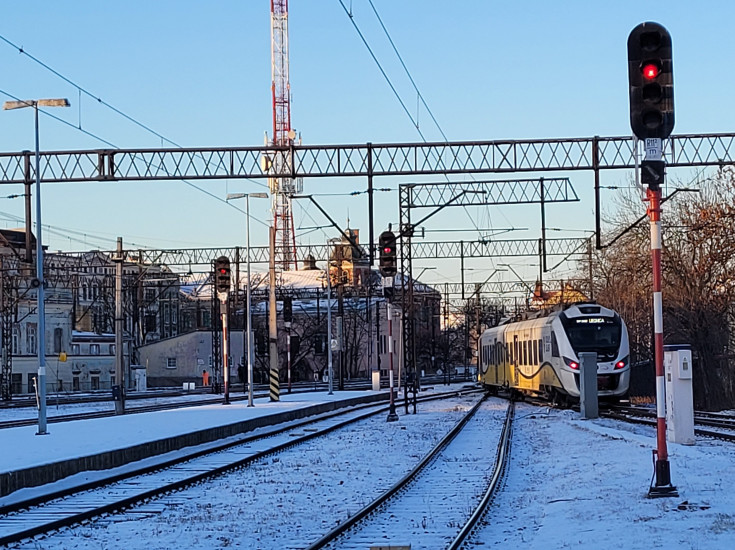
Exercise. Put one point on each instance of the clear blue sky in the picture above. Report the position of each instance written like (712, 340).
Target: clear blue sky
(199, 74)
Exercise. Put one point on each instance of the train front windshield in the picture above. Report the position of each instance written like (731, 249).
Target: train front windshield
(598, 334)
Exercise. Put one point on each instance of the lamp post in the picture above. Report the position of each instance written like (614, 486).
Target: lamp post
(40, 296)
(248, 325)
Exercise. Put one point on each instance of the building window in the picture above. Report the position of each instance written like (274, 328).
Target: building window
(59, 385)
(16, 341)
(31, 338)
(31, 382)
(171, 362)
(95, 382)
(16, 382)
(75, 383)
(112, 349)
(75, 349)
(58, 335)
(94, 349)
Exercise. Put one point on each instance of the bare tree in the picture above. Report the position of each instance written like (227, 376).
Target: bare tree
(698, 258)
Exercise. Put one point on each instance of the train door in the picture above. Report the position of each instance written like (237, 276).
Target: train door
(497, 355)
(516, 350)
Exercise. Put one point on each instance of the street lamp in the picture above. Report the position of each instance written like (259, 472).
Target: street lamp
(40, 296)
(248, 326)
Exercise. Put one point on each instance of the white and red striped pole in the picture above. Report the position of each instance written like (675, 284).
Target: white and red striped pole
(663, 485)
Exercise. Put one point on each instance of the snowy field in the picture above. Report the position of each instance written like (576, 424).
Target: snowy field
(571, 484)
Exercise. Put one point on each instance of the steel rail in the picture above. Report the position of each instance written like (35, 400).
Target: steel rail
(66, 517)
(501, 463)
(391, 493)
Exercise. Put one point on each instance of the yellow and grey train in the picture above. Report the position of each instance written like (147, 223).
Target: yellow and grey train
(540, 355)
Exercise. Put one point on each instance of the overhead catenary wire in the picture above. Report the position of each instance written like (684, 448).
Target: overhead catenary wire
(393, 88)
(81, 90)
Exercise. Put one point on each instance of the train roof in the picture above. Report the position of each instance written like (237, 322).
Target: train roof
(542, 317)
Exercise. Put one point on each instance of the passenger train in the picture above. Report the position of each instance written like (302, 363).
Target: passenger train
(540, 355)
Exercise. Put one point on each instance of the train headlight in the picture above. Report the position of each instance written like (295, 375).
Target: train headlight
(622, 363)
(571, 363)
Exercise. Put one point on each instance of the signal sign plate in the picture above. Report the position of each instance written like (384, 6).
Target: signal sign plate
(654, 150)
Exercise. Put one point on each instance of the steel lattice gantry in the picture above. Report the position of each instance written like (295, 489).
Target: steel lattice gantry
(488, 248)
(541, 155)
(476, 193)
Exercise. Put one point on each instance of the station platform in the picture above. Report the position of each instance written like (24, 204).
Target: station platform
(78, 452)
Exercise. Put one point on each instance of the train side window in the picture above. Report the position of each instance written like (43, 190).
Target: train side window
(525, 352)
(554, 345)
(515, 352)
(540, 351)
(533, 345)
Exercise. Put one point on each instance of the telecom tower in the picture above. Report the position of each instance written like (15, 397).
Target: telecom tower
(282, 189)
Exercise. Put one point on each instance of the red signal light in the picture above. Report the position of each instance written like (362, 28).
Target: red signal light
(387, 250)
(651, 70)
(222, 271)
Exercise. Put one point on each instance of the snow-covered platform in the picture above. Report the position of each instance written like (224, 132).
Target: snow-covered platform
(74, 449)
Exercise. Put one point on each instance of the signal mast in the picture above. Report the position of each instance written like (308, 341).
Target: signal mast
(282, 189)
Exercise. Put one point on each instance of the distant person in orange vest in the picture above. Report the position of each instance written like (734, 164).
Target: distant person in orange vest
(205, 377)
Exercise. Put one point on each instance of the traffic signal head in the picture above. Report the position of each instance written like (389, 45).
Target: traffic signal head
(287, 309)
(651, 79)
(222, 274)
(387, 244)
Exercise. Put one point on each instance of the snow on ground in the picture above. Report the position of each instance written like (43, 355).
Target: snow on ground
(284, 501)
(571, 484)
(81, 438)
(583, 484)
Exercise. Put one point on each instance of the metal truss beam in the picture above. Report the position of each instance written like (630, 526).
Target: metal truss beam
(481, 193)
(192, 257)
(540, 155)
(494, 248)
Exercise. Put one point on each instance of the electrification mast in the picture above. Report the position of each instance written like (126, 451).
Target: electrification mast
(282, 189)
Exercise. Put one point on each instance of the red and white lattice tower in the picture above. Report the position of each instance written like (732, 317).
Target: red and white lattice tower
(282, 189)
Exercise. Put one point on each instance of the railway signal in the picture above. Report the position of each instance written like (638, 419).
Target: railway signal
(287, 309)
(650, 75)
(651, 79)
(222, 274)
(387, 243)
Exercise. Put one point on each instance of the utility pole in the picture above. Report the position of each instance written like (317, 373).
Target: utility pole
(589, 258)
(340, 316)
(275, 390)
(119, 363)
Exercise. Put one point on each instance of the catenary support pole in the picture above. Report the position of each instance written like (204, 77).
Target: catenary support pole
(119, 363)
(275, 390)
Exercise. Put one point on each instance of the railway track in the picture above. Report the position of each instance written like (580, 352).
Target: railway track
(69, 507)
(447, 482)
(641, 415)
